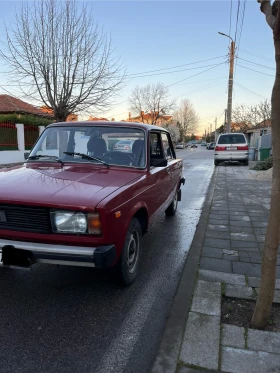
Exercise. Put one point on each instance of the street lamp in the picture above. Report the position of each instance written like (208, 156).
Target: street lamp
(230, 81)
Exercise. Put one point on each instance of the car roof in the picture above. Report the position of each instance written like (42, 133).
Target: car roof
(232, 133)
(143, 126)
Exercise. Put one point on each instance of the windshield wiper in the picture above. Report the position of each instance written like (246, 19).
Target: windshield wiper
(88, 157)
(54, 157)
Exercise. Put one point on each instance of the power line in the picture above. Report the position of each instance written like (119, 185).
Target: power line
(189, 77)
(256, 55)
(202, 88)
(237, 19)
(230, 16)
(174, 67)
(255, 63)
(260, 72)
(242, 22)
(171, 72)
(247, 89)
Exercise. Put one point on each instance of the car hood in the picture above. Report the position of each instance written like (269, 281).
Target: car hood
(71, 186)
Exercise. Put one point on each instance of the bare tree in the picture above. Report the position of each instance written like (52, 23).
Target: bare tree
(269, 259)
(174, 131)
(61, 57)
(151, 103)
(186, 118)
(256, 116)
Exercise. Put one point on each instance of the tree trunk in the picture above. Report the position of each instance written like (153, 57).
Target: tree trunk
(269, 260)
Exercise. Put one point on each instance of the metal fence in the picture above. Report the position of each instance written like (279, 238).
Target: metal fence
(8, 136)
(31, 134)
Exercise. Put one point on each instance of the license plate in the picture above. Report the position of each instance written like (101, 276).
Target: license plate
(232, 148)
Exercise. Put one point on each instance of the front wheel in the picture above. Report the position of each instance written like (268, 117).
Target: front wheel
(128, 264)
(216, 162)
(172, 208)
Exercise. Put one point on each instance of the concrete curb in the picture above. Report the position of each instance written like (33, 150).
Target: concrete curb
(169, 349)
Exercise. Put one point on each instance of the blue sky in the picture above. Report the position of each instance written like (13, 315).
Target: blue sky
(153, 35)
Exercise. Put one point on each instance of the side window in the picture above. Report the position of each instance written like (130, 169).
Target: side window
(167, 146)
(155, 146)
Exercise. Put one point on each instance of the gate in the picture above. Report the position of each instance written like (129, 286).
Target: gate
(31, 134)
(8, 136)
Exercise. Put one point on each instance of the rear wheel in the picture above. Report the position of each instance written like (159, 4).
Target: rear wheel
(216, 162)
(172, 208)
(246, 163)
(128, 264)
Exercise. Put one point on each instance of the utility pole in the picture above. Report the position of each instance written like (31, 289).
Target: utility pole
(230, 82)
(225, 123)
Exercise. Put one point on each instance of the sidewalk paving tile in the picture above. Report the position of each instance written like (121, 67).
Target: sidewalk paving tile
(255, 282)
(243, 236)
(207, 298)
(240, 223)
(214, 264)
(276, 298)
(218, 227)
(212, 253)
(245, 244)
(237, 291)
(227, 278)
(201, 341)
(233, 336)
(241, 268)
(218, 235)
(260, 340)
(190, 370)
(217, 243)
(245, 361)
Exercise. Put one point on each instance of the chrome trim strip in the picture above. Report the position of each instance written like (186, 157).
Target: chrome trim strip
(50, 249)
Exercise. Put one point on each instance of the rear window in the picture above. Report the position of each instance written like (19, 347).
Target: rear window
(124, 142)
(232, 139)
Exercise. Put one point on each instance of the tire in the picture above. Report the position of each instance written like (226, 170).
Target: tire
(216, 163)
(246, 163)
(128, 264)
(172, 208)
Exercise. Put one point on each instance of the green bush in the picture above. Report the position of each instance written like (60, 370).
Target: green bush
(25, 119)
(264, 165)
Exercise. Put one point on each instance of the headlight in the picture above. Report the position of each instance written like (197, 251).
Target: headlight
(76, 222)
(70, 222)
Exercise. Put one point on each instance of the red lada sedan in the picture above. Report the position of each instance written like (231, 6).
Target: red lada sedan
(78, 201)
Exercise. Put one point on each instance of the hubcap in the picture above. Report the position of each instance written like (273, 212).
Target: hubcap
(133, 252)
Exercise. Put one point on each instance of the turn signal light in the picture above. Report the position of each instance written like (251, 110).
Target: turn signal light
(94, 224)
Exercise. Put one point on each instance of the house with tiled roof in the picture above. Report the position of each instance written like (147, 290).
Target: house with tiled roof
(13, 105)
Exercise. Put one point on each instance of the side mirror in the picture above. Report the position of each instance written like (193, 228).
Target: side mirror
(26, 155)
(158, 162)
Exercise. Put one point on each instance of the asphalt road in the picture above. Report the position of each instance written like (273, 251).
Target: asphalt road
(68, 319)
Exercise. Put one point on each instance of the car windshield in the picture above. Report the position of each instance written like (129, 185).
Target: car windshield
(97, 142)
(232, 139)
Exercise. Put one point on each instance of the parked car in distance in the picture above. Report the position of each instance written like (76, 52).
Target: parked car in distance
(231, 147)
(211, 146)
(203, 143)
(180, 145)
(193, 145)
(124, 146)
(80, 204)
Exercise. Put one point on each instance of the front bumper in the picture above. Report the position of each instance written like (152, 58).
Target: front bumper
(24, 254)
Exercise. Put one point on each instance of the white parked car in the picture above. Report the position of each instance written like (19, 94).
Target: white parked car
(231, 147)
(180, 145)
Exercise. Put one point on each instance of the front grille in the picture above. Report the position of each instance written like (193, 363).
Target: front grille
(26, 219)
